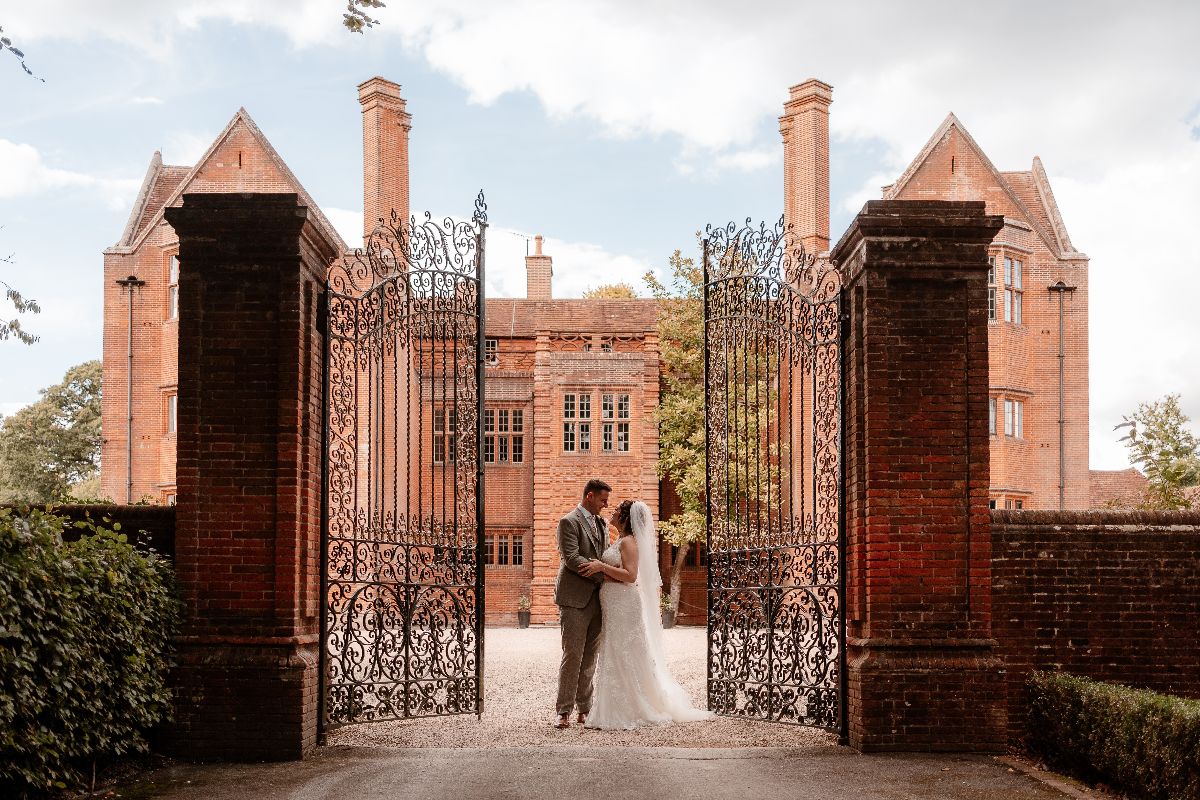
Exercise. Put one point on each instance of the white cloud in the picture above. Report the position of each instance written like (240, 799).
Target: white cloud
(146, 101)
(578, 266)
(347, 222)
(25, 173)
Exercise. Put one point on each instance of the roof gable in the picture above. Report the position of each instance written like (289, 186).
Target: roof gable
(1030, 204)
(239, 159)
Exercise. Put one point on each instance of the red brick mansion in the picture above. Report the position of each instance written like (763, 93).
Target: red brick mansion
(571, 383)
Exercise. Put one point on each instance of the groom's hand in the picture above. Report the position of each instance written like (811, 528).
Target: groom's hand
(591, 568)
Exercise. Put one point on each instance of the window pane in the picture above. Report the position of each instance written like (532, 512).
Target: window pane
(452, 447)
(451, 419)
(991, 269)
(606, 347)
(1017, 307)
(439, 423)
(1008, 305)
(569, 406)
(1019, 425)
(606, 406)
(503, 442)
(623, 407)
(174, 270)
(489, 420)
(518, 550)
(518, 421)
(1008, 418)
(503, 420)
(172, 412)
(991, 302)
(991, 503)
(489, 449)
(173, 302)
(1008, 272)
(585, 406)
(518, 449)
(502, 550)
(623, 437)
(992, 416)
(608, 436)
(489, 549)
(585, 436)
(569, 436)
(1016, 273)
(1018, 504)
(439, 449)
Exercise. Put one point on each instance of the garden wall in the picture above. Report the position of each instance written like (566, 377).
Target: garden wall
(1110, 595)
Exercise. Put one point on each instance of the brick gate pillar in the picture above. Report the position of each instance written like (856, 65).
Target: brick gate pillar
(922, 674)
(247, 547)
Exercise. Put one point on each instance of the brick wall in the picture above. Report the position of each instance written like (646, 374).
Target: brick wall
(148, 527)
(1111, 595)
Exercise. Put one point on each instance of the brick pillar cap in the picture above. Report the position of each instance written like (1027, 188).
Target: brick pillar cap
(962, 221)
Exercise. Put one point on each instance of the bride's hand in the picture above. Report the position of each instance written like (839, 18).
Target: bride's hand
(591, 568)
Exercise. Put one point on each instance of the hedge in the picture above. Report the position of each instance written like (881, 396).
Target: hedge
(1144, 742)
(85, 632)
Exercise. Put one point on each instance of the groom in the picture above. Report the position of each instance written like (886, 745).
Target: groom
(582, 536)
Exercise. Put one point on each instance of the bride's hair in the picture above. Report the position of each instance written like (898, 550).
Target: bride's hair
(621, 516)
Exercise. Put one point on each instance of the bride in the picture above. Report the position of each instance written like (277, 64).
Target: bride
(633, 685)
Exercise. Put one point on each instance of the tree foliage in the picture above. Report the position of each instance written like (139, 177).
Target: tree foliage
(680, 413)
(1165, 450)
(611, 291)
(356, 19)
(53, 445)
(6, 44)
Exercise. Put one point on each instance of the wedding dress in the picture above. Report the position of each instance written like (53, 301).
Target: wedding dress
(633, 685)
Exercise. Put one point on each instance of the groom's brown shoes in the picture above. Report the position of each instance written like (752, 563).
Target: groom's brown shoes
(581, 718)
(563, 721)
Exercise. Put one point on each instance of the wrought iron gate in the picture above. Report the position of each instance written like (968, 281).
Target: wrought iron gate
(773, 382)
(403, 514)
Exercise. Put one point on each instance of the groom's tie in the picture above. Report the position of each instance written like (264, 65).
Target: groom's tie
(599, 526)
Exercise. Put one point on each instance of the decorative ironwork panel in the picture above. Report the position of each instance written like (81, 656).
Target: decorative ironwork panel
(773, 382)
(402, 624)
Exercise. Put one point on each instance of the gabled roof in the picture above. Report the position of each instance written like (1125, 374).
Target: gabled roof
(1121, 487)
(1028, 190)
(164, 185)
(519, 317)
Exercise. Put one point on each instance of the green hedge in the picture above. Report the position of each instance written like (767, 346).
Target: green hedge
(85, 630)
(1145, 742)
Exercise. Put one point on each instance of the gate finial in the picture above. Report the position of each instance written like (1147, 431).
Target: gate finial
(480, 215)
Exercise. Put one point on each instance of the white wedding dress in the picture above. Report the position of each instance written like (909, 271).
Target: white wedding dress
(633, 685)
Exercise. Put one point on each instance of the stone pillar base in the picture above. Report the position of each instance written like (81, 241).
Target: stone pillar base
(933, 696)
(250, 701)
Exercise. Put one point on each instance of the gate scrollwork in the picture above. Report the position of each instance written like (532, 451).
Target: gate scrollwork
(402, 594)
(773, 380)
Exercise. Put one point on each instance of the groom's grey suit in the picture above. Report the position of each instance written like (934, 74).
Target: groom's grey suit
(581, 537)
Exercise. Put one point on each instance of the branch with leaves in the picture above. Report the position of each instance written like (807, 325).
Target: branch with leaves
(11, 328)
(355, 19)
(6, 44)
(1166, 451)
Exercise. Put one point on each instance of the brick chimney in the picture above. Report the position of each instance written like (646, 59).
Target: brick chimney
(385, 151)
(805, 129)
(538, 271)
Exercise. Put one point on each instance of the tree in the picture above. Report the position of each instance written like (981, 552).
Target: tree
(6, 44)
(680, 413)
(52, 445)
(611, 291)
(1167, 452)
(355, 19)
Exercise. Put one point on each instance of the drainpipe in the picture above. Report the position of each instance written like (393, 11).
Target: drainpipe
(1061, 288)
(129, 284)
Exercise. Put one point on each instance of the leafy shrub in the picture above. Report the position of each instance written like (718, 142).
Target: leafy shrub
(1146, 742)
(85, 630)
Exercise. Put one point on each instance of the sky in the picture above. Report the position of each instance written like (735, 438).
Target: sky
(617, 130)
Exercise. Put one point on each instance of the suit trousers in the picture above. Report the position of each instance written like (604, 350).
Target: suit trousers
(580, 643)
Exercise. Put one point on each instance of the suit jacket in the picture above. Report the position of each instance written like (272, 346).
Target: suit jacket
(578, 543)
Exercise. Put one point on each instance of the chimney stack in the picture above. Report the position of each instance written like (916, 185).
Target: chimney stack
(805, 129)
(538, 271)
(385, 152)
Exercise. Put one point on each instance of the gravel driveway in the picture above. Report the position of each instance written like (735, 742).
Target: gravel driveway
(521, 668)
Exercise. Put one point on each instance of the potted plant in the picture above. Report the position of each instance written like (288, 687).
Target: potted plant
(523, 611)
(668, 613)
